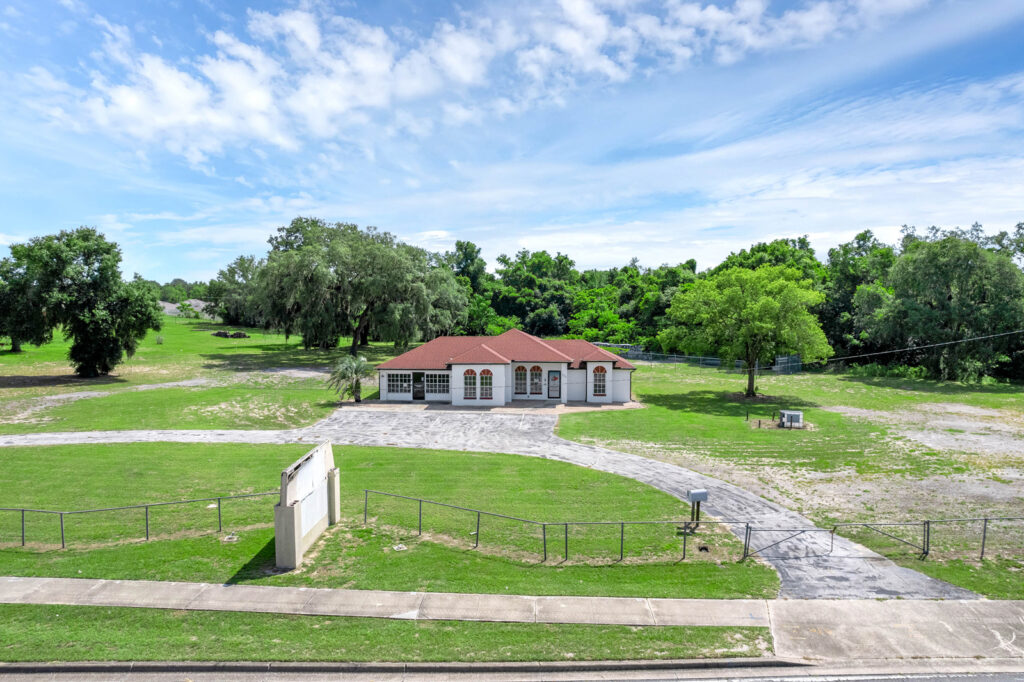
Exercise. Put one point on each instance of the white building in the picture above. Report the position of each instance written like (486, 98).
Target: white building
(497, 370)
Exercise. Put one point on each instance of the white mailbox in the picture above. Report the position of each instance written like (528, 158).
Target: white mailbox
(697, 495)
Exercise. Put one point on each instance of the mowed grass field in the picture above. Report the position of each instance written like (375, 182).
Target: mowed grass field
(186, 546)
(878, 449)
(182, 377)
(29, 633)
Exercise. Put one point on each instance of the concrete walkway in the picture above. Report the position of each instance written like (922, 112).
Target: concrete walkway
(813, 630)
(808, 564)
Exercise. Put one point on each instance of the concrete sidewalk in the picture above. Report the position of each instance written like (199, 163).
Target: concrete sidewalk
(837, 630)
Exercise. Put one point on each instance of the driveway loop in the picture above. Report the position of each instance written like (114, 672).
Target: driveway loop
(809, 565)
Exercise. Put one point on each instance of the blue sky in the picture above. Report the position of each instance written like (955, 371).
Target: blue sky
(664, 129)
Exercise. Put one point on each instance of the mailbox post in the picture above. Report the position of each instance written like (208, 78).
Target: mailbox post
(695, 497)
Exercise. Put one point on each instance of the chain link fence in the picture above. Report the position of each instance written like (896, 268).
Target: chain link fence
(556, 541)
(47, 528)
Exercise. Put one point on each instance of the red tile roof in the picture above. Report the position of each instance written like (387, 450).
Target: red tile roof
(512, 346)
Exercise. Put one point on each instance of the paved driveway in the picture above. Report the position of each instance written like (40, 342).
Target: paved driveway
(809, 567)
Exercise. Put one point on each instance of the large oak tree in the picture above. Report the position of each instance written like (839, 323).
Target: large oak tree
(748, 315)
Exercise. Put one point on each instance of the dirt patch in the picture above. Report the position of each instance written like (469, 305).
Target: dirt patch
(300, 372)
(846, 495)
(954, 427)
(254, 411)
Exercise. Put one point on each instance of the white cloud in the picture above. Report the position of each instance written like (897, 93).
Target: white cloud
(311, 72)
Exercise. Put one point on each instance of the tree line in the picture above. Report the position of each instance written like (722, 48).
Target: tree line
(326, 281)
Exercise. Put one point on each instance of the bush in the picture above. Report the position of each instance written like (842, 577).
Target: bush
(875, 370)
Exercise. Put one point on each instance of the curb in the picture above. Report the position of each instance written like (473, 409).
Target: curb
(385, 667)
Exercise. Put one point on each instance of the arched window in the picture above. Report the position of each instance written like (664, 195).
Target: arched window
(520, 380)
(600, 385)
(486, 384)
(536, 380)
(469, 385)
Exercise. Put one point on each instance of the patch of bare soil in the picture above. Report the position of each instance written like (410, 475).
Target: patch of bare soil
(846, 495)
(998, 435)
(250, 411)
(299, 372)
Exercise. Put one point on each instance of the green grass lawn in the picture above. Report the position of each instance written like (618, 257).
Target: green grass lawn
(88, 633)
(704, 411)
(865, 470)
(90, 476)
(243, 386)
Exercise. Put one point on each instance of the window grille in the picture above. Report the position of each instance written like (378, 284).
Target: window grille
(469, 385)
(399, 383)
(599, 380)
(486, 385)
(520, 380)
(438, 384)
(536, 380)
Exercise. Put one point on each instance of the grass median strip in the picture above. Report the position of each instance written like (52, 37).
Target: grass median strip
(86, 633)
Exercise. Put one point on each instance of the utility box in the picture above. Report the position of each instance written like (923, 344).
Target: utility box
(697, 495)
(791, 419)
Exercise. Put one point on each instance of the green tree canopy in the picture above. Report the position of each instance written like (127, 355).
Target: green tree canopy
(324, 280)
(78, 275)
(231, 296)
(749, 315)
(945, 290)
(864, 260)
(793, 253)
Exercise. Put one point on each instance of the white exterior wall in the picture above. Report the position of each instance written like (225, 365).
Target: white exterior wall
(545, 367)
(382, 379)
(576, 385)
(622, 385)
(609, 383)
(498, 385)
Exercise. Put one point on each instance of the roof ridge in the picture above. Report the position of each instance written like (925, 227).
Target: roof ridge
(484, 345)
(540, 341)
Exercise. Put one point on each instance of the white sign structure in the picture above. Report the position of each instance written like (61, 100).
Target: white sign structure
(310, 490)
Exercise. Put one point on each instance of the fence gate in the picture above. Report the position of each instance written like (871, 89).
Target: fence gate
(787, 543)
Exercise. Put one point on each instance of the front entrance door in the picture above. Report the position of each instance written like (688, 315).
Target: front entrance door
(419, 389)
(555, 384)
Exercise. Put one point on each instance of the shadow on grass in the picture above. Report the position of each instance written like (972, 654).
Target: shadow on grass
(276, 355)
(262, 564)
(55, 380)
(725, 403)
(934, 386)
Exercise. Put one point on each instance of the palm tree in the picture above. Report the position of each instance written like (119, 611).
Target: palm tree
(348, 374)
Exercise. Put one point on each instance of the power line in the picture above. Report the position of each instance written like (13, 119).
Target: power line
(930, 345)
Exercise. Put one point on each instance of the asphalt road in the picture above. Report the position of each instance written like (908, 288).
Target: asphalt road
(582, 676)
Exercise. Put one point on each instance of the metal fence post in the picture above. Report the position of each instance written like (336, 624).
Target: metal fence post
(366, 503)
(746, 542)
(927, 537)
(477, 531)
(984, 536)
(22, 527)
(62, 544)
(684, 545)
(622, 539)
(147, 521)
(220, 520)
(567, 542)
(544, 537)
(419, 525)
